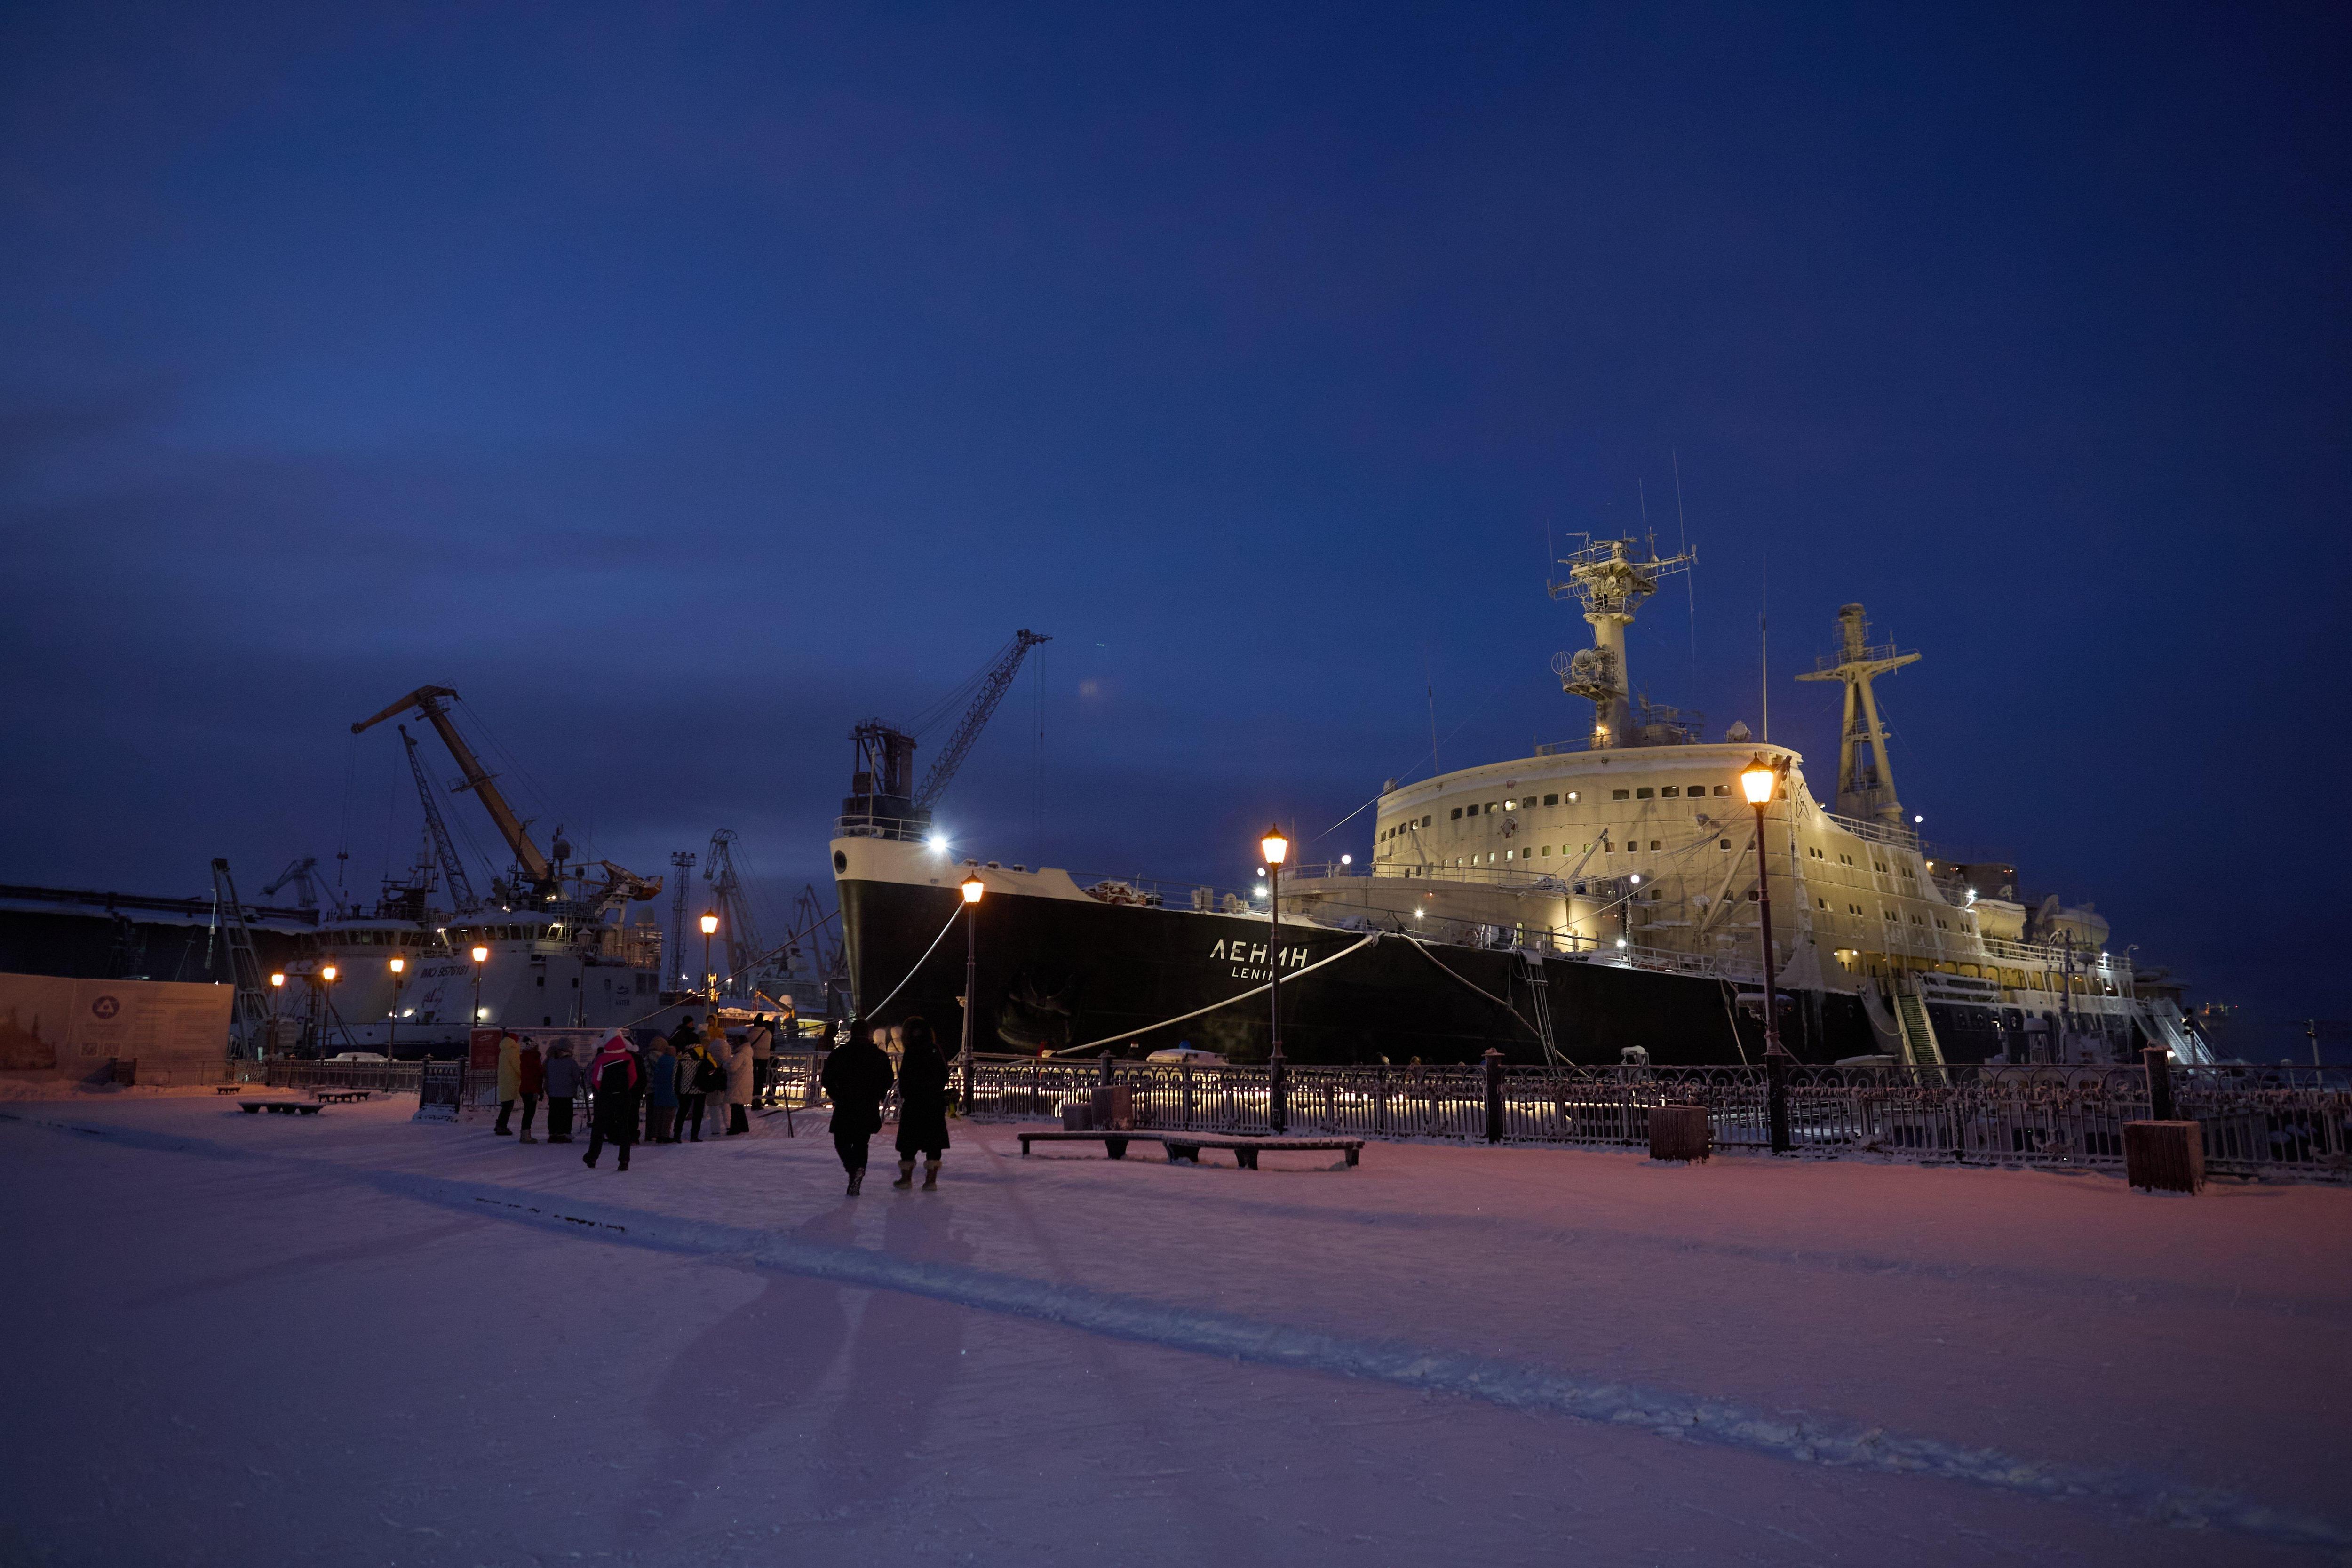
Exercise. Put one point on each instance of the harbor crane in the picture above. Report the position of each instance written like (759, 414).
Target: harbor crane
(541, 876)
(452, 870)
(298, 873)
(882, 787)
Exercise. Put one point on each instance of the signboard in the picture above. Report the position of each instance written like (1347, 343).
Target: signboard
(71, 1030)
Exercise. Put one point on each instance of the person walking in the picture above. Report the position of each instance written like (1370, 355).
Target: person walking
(922, 1104)
(764, 1063)
(741, 1075)
(856, 1079)
(617, 1081)
(661, 1093)
(563, 1086)
(532, 1079)
(699, 1075)
(509, 1080)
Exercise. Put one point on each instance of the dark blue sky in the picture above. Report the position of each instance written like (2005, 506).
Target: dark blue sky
(684, 387)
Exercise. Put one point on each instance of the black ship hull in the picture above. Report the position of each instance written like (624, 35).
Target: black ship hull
(1055, 974)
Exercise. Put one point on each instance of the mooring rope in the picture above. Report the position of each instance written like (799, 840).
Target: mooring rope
(1181, 1017)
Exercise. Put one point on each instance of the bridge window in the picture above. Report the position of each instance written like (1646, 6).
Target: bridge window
(1644, 792)
(1723, 789)
(1669, 792)
(1621, 795)
(1552, 800)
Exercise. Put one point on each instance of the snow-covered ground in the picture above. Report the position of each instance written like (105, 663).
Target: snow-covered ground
(351, 1338)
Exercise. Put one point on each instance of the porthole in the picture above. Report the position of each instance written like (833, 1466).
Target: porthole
(840, 862)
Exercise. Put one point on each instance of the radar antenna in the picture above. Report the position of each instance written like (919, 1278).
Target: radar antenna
(1608, 577)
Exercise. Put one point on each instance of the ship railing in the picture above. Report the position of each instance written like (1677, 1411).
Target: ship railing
(2258, 1122)
(865, 824)
(1894, 833)
(2050, 955)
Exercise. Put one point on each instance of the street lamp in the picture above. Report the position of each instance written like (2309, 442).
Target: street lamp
(1277, 849)
(972, 887)
(1757, 781)
(481, 957)
(710, 975)
(399, 966)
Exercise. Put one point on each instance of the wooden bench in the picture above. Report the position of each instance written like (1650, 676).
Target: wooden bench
(1114, 1141)
(1186, 1147)
(280, 1106)
(228, 1089)
(339, 1096)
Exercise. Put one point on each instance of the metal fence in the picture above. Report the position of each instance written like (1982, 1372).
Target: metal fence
(390, 1077)
(2258, 1122)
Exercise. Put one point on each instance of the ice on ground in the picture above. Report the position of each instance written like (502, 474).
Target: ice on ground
(353, 1337)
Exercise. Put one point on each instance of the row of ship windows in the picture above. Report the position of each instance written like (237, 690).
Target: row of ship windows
(1645, 792)
(1848, 861)
(1941, 923)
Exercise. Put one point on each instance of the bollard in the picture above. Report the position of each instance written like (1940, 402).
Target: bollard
(1494, 1059)
(1277, 1095)
(1776, 1098)
(1105, 1064)
(2159, 1062)
(1184, 1070)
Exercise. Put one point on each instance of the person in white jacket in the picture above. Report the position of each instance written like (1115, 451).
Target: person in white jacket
(735, 1056)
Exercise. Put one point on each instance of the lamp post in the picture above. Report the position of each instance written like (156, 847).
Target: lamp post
(277, 1000)
(1757, 781)
(973, 889)
(710, 975)
(481, 957)
(399, 966)
(1276, 848)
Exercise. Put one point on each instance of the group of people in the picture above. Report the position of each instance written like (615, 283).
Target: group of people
(661, 1092)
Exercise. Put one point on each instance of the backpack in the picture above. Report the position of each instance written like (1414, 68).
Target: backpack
(709, 1078)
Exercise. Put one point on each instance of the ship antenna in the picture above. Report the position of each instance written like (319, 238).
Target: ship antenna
(1682, 545)
(1430, 685)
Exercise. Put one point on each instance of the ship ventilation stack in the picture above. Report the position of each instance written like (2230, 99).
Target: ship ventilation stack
(1865, 780)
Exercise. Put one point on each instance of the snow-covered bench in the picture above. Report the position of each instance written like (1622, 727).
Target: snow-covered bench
(280, 1106)
(1113, 1139)
(1247, 1149)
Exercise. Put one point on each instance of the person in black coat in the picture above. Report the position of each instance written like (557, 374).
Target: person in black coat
(857, 1078)
(922, 1103)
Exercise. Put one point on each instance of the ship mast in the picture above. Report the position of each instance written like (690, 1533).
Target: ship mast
(1609, 578)
(1866, 782)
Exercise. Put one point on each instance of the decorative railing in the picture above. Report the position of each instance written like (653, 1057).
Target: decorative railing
(2258, 1122)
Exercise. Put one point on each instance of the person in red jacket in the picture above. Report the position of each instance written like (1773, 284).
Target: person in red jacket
(616, 1081)
(533, 1083)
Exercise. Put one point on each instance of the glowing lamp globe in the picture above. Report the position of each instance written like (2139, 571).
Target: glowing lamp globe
(710, 924)
(398, 964)
(1275, 848)
(972, 887)
(1756, 781)
(482, 955)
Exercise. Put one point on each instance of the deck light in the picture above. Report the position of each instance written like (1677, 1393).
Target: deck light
(938, 844)
(1346, 859)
